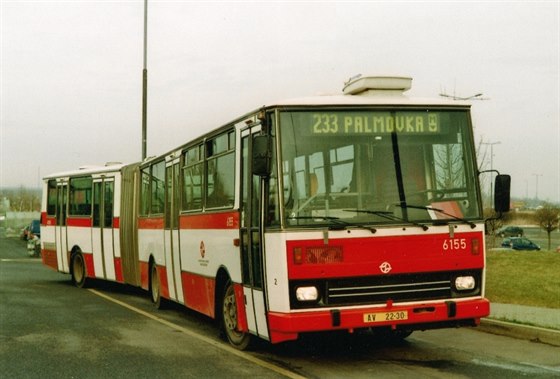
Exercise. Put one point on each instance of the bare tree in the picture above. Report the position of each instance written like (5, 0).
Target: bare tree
(548, 217)
(483, 164)
(21, 199)
(450, 171)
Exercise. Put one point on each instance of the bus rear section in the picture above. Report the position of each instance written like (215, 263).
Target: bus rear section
(86, 216)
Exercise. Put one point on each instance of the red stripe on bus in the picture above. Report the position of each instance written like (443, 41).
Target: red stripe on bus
(242, 324)
(90, 268)
(49, 221)
(84, 222)
(199, 292)
(164, 286)
(150, 222)
(118, 270)
(144, 274)
(221, 220)
(49, 259)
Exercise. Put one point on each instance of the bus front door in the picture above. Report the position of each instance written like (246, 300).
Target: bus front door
(103, 244)
(61, 239)
(251, 237)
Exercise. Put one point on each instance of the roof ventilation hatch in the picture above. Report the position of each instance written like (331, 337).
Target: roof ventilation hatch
(377, 85)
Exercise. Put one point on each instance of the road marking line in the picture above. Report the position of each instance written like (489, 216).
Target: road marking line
(202, 338)
(21, 260)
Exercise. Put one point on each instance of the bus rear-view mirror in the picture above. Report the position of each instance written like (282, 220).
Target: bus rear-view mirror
(502, 193)
(261, 155)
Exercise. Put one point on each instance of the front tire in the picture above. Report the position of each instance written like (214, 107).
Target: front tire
(79, 274)
(230, 319)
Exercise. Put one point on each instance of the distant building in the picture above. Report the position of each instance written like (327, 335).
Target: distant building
(4, 205)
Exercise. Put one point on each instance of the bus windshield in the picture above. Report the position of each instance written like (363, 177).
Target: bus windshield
(377, 167)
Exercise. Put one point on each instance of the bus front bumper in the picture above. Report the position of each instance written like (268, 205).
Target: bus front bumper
(287, 326)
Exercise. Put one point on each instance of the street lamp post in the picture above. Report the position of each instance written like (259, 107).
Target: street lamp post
(537, 185)
(145, 84)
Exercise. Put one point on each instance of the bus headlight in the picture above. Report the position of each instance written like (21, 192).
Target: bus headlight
(307, 293)
(465, 283)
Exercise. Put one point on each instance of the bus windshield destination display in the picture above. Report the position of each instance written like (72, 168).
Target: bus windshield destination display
(352, 123)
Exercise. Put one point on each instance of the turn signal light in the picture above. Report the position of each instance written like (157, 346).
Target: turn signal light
(475, 247)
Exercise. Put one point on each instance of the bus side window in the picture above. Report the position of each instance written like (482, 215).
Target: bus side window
(80, 196)
(220, 176)
(51, 198)
(192, 179)
(158, 187)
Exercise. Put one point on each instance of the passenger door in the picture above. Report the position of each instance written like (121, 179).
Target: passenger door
(61, 239)
(102, 228)
(171, 237)
(251, 237)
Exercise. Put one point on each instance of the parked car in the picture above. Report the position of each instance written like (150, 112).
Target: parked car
(510, 231)
(520, 243)
(24, 233)
(34, 238)
(35, 228)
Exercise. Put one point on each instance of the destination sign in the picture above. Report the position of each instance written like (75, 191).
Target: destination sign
(361, 123)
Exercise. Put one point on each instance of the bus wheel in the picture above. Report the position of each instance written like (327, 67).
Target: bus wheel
(78, 270)
(155, 286)
(239, 340)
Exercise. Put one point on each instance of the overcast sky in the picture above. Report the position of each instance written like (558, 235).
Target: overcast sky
(71, 73)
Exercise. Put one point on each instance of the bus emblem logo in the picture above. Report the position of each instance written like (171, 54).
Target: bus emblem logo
(202, 249)
(385, 267)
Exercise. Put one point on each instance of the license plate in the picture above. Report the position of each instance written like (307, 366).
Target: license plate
(385, 316)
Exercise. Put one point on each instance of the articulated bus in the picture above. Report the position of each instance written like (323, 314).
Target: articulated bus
(360, 211)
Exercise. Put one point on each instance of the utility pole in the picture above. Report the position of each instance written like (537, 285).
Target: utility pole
(145, 83)
(491, 144)
(537, 185)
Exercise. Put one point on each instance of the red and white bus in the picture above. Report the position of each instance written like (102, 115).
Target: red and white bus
(348, 212)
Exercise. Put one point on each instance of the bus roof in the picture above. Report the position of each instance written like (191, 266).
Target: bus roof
(372, 90)
(358, 100)
(88, 170)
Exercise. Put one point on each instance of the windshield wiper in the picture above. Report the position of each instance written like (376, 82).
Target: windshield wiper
(337, 223)
(427, 208)
(388, 215)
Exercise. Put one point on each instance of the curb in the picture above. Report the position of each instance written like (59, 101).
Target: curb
(520, 331)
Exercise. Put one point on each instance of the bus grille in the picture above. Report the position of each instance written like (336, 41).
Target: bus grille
(395, 288)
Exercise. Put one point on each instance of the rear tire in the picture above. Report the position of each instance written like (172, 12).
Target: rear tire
(230, 320)
(155, 287)
(78, 272)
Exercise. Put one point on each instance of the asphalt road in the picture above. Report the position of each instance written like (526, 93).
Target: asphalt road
(50, 329)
